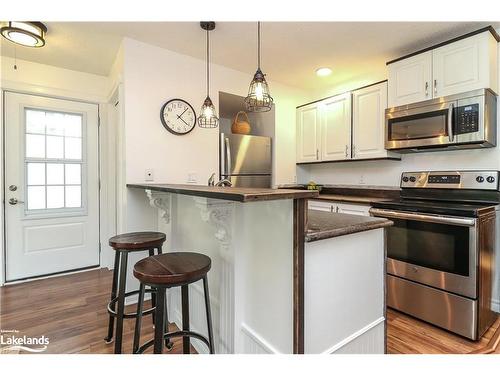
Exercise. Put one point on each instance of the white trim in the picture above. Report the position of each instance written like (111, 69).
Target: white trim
(354, 336)
(49, 276)
(495, 305)
(259, 340)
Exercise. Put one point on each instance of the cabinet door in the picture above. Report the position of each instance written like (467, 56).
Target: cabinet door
(336, 128)
(308, 133)
(368, 121)
(465, 65)
(320, 206)
(354, 209)
(410, 80)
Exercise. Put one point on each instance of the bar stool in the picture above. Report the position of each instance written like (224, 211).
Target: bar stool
(166, 271)
(123, 244)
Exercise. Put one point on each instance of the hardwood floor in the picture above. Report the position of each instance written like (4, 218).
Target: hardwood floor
(71, 311)
(406, 335)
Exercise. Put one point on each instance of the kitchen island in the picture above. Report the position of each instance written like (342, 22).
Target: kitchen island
(256, 239)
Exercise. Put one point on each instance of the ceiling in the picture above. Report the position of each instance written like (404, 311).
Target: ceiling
(291, 51)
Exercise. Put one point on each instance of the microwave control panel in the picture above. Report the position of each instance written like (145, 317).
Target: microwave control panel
(467, 119)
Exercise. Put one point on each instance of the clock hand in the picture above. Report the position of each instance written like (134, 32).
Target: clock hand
(183, 120)
(179, 116)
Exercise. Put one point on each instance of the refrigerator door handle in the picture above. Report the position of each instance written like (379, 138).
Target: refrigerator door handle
(227, 159)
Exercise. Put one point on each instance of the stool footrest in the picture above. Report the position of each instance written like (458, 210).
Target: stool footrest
(112, 312)
(169, 335)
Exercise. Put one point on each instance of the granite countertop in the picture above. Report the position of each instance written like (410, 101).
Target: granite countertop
(230, 193)
(322, 225)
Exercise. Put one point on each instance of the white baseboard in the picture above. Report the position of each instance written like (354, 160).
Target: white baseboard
(253, 343)
(354, 336)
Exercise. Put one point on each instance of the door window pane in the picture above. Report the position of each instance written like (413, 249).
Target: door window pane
(55, 147)
(35, 146)
(55, 123)
(73, 126)
(73, 196)
(55, 196)
(55, 174)
(36, 197)
(73, 174)
(73, 148)
(36, 174)
(35, 121)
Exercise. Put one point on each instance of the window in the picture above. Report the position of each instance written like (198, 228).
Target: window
(53, 160)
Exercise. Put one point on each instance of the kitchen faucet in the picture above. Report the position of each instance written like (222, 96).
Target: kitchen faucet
(223, 182)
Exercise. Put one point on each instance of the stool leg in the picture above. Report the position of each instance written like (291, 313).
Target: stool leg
(121, 301)
(153, 294)
(138, 319)
(159, 250)
(185, 318)
(168, 343)
(160, 316)
(109, 337)
(209, 316)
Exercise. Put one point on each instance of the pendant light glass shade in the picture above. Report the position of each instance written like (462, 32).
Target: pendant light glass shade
(208, 115)
(28, 34)
(258, 99)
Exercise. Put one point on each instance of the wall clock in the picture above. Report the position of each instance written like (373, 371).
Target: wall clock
(178, 116)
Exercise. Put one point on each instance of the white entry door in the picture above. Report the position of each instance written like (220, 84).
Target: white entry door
(51, 185)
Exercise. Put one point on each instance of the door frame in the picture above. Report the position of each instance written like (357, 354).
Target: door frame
(105, 192)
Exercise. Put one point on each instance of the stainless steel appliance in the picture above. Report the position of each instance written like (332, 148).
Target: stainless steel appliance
(441, 247)
(246, 160)
(466, 120)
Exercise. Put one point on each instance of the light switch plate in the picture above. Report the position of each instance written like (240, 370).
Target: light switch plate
(192, 178)
(149, 175)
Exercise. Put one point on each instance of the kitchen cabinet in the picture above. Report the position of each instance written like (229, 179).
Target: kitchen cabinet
(339, 207)
(308, 128)
(335, 132)
(410, 80)
(368, 122)
(467, 64)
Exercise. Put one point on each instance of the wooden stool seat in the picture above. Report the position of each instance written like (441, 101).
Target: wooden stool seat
(172, 269)
(137, 240)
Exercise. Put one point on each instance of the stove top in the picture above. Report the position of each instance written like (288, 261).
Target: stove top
(453, 208)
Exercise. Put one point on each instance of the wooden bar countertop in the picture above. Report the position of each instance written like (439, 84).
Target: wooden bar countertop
(235, 194)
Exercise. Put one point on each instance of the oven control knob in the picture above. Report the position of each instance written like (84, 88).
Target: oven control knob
(479, 178)
(490, 179)
(405, 179)
(412, 179)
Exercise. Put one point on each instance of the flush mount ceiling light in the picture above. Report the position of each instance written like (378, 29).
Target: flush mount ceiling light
(322, 72)
(258, 99)
(28, 34)
(208, 116)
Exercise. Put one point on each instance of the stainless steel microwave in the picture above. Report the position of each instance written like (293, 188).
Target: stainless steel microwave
(466, 120)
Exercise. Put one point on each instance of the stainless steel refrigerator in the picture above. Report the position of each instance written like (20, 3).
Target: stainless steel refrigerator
(246, 160)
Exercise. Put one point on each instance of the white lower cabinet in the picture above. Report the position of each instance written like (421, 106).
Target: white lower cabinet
(340, 207)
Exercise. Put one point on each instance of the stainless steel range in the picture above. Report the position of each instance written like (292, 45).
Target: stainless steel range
(441, 248)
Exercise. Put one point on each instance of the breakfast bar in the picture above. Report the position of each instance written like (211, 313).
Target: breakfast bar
(257, 240)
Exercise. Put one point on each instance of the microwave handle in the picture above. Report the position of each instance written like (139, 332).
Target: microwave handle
(450, 122)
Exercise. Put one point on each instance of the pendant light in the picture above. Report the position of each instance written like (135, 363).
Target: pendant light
(258, 98)
(208, 115)
(28, 34)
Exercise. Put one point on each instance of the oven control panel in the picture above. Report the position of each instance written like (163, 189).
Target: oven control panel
(475, 180)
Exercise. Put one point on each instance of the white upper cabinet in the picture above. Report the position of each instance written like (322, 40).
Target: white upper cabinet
(368, 117)
(465, 65)
(336, 128)
(308, 127)
(410, 80)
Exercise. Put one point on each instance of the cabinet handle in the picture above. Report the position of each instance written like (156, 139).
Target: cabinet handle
(317, 154)
(353, 151)
(337, 209)
(331, 208)
(346, 148)
(435, 86)
(426, 88)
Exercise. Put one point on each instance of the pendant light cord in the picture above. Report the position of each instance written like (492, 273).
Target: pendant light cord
(208, 64)
(258, 44)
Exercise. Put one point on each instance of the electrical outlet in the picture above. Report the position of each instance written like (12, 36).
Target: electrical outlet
(149, 175)
(362, 180)
(192, 178)
(295, 179)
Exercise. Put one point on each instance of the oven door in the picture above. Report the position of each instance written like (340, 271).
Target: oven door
(438, 251)
(426, 126)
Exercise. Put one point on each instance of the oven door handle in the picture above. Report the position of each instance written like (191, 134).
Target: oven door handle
(462, 221)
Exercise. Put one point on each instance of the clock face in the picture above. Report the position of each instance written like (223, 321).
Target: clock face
(178, 116)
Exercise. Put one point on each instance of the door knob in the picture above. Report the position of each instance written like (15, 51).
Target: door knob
(14, 201)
